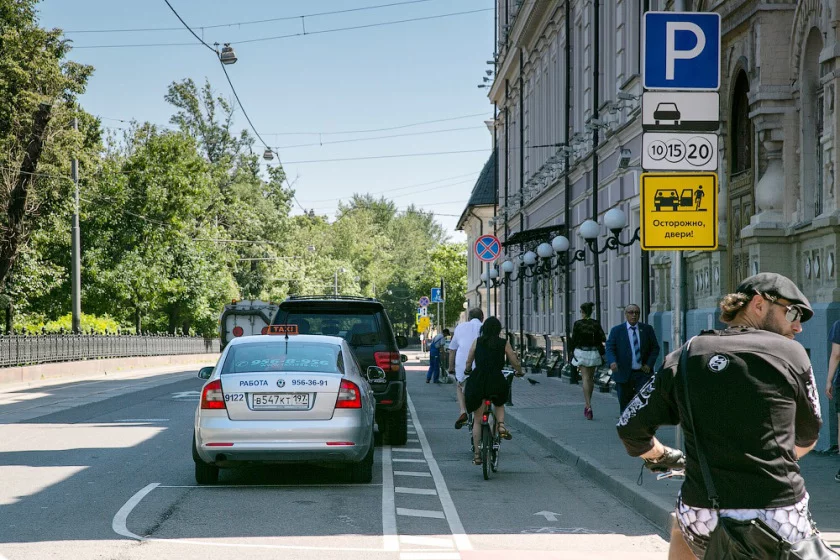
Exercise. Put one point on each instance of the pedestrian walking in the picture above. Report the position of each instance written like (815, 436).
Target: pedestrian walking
(748, 405)
(435, 349)
(632, 350)
(586, 348)
(462, 339)
(832, 383)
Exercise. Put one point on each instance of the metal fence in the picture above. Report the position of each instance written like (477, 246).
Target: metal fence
(21, 350)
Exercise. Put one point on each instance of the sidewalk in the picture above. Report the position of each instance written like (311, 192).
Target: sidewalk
(551, 412)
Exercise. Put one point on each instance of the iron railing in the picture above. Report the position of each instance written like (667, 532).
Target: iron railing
(21, 350)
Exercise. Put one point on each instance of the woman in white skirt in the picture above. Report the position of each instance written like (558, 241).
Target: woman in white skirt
(586, 346)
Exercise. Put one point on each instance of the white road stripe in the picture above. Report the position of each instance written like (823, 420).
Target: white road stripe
(119, 522)
(408, 512)
(427, 541)
(408, 450)
(389, 518)
(144, 420)
(413, 473)
(430, 556)
(418, 491)
(417, 440)
(216, 486)
(409, 460)
(462, 541)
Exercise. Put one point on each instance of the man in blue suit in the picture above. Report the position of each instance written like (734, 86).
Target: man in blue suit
(632, 350)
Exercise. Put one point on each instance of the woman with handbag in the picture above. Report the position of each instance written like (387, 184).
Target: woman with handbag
(586, 348)
(747, 401)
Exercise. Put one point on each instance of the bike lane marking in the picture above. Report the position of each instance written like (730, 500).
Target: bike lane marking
(462, 541)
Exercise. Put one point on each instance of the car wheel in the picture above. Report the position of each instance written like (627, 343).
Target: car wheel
(396, 426)
(362, 471)
(204, 473)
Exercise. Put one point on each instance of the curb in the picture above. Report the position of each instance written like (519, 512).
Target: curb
(656, 510)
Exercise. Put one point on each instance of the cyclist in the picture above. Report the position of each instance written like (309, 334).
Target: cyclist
(488, 381)
(754, 412)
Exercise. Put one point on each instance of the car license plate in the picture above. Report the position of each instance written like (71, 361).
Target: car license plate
(280, 401)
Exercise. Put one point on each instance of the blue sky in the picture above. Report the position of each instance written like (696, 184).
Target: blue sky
(380, 77)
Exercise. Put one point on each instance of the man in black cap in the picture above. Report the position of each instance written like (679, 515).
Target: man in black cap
(754, 412)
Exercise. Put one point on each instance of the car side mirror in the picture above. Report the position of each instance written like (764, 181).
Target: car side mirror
(205, 372)
(402, 341)
(375, 373)
(403, 358)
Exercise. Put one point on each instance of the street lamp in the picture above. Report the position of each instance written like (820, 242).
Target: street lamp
(341, 270)
(615, 220)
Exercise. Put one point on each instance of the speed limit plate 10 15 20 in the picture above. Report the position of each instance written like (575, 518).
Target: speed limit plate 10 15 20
(679, 151)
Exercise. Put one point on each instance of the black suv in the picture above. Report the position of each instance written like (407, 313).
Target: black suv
(365, 325)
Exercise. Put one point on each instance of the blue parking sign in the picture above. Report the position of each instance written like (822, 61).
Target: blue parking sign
(681, 50)
(436, 296)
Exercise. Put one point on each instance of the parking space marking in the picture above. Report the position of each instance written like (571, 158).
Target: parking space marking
(119, 522)
(409, 460)
(417, 491)
(408, 512)
(413, 473)
(410, 440)
(408, 450)
(389, 517)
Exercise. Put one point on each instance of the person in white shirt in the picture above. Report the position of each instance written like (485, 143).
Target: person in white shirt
(462, 340)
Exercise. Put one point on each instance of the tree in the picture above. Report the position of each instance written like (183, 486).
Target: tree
(38, 89)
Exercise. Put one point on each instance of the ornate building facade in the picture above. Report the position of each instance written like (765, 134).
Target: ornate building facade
(567, 90)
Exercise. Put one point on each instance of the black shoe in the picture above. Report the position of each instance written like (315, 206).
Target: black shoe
(837, 476)
(427, 381)
(459, 423)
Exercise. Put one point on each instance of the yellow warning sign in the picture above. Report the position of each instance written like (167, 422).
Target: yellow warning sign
(679, 211)
(423, 324)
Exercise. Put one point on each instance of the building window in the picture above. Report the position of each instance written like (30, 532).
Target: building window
(741, 126)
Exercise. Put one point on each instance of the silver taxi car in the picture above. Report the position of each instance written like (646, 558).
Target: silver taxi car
(285, 398)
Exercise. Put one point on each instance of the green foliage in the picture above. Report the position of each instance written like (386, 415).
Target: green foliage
(64, 324)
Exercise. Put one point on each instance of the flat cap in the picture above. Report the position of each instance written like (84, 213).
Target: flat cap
(774, 284)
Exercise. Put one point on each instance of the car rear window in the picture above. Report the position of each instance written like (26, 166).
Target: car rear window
(278, 356)
(357, 328)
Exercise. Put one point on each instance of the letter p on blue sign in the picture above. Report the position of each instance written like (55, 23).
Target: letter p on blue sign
(681, 51)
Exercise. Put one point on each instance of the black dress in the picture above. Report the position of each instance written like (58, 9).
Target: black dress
(487, 380)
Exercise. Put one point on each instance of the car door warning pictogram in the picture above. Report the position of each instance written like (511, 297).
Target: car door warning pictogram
(679, 211)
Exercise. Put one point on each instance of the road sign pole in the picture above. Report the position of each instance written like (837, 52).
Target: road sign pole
(487, 271)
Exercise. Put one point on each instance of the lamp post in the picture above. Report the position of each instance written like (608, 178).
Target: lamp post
(341, 270)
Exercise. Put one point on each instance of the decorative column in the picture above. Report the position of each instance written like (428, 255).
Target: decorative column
(770, 190)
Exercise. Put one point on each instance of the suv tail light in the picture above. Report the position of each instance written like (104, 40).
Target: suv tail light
(349, 395)
(212, 396)
(388, 361)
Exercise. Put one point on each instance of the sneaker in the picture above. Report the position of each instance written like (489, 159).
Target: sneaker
(587, 413)
(459, 423)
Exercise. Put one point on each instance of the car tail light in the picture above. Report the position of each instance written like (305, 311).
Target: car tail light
(388, 361)
(212, 396)
(264, 330)
(349, 395)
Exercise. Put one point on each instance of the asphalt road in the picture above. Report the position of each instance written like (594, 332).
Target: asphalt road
(101, 469)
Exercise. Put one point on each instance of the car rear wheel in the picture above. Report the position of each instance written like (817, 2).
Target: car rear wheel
(396, 426)
(204, 473)
(363, 471)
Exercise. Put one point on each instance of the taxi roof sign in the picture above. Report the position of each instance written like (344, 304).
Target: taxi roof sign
(679, 211)
(282, 329)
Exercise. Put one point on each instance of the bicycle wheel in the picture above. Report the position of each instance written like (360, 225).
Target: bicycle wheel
(494, 453)
(486, 446)
(470, 432)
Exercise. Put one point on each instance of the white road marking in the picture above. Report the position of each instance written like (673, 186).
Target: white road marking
(408, 450)
(462, 541)
(214, 486)
(426, 541)
(409, 460)
(408, 512)
(410, 440)
(119, 522)
(191, 395)
(413, 473)
(418, 491)
(549, 515)
(389, 518)
(144, 420)
(430, 556)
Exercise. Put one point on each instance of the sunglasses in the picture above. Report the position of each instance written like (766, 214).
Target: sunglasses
(793, 313)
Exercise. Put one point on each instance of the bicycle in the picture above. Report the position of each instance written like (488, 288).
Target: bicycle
(490, 442)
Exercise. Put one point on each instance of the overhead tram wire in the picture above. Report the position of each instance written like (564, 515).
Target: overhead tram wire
(376, 129)
(420, 154)
(235, 94)
(252, 22)
(403, 188)
(260, 39)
